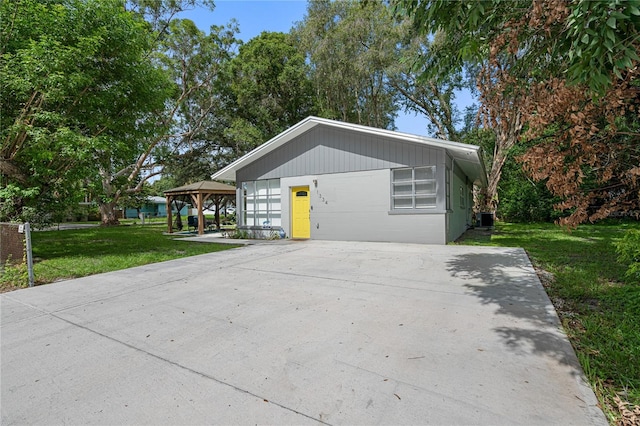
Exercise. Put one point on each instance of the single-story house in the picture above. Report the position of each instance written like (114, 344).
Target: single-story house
(153, 207)
(330, 180)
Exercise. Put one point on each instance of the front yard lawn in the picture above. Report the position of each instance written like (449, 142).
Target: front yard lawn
(60, 255)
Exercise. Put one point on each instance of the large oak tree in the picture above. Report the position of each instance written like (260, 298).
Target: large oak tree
(77, 84)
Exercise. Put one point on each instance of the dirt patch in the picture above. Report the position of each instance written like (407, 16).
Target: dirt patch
(480, 235)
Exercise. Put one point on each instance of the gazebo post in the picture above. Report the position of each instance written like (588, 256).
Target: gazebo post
(169, 218)
(200, 214)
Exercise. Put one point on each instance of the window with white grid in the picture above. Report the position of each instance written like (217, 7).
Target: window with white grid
(413, 188)
(262, 203)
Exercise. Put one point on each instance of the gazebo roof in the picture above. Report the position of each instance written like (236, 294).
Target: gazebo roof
(205, 186)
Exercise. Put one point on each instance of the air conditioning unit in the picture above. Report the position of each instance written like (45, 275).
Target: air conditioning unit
(484, 220)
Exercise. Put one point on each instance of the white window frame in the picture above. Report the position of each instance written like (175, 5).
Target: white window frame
(262, 203)
(415, 193)
(448, 190)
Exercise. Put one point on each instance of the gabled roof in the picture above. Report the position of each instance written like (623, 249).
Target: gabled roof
(467, 157)
(156, 200)
(205, 186)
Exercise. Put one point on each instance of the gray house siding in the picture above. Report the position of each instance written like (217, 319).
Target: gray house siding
(349, 174)
(324, 150)
(355, 207)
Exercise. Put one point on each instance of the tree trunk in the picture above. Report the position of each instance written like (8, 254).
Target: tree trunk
(507, 135)
(489, 195)
(218, 201)
(108, 214)
(216, 217)
(179, 205)
(488, 198)
(10, 169)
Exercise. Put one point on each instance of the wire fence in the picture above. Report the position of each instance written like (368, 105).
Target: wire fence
(15, 246)
(12, 244)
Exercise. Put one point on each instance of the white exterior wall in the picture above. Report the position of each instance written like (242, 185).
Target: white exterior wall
(355, 206)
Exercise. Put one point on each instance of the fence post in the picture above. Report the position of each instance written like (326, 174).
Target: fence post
(27, 235)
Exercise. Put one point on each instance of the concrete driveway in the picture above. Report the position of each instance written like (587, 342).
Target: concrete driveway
(296, 333)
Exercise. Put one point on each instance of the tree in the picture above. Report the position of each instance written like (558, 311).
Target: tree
(160, 13)
(362, 67)
(499, 98)
(195, 63)
(523, 199)
(76, 81)
(588, 150)
(271, 88)
(500, 110)
(110, 99)
(593, 41)
(431, 97)
(596, 42)
(349, 46)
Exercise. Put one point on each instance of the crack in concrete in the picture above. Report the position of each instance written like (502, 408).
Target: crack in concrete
(175, 364)
(350, 281)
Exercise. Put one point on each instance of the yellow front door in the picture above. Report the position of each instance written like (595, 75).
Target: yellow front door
(300, 212)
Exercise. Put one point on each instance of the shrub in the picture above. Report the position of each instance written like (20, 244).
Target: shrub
(14, 275)
(522, 201)
(628, 250)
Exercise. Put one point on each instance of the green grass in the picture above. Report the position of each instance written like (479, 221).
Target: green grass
(598, 306)
(60, 255)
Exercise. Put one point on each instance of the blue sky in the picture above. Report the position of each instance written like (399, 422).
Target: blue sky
(253, 16)
(256, 16)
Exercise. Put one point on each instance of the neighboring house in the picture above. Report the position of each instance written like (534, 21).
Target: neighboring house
(154, 207)
(329, 180)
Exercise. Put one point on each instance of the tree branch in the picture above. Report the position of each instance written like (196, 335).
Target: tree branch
(8, 168)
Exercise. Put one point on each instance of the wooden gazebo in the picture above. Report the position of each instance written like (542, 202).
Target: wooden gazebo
(199, 194)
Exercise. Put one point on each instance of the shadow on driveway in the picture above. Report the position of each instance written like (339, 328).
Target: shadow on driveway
(508, 282)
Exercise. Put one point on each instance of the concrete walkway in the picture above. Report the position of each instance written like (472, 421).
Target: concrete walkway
(70, 225)
(296, 333)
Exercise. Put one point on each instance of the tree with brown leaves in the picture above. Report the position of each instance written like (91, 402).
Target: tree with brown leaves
(573, 83)
(589, 148)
